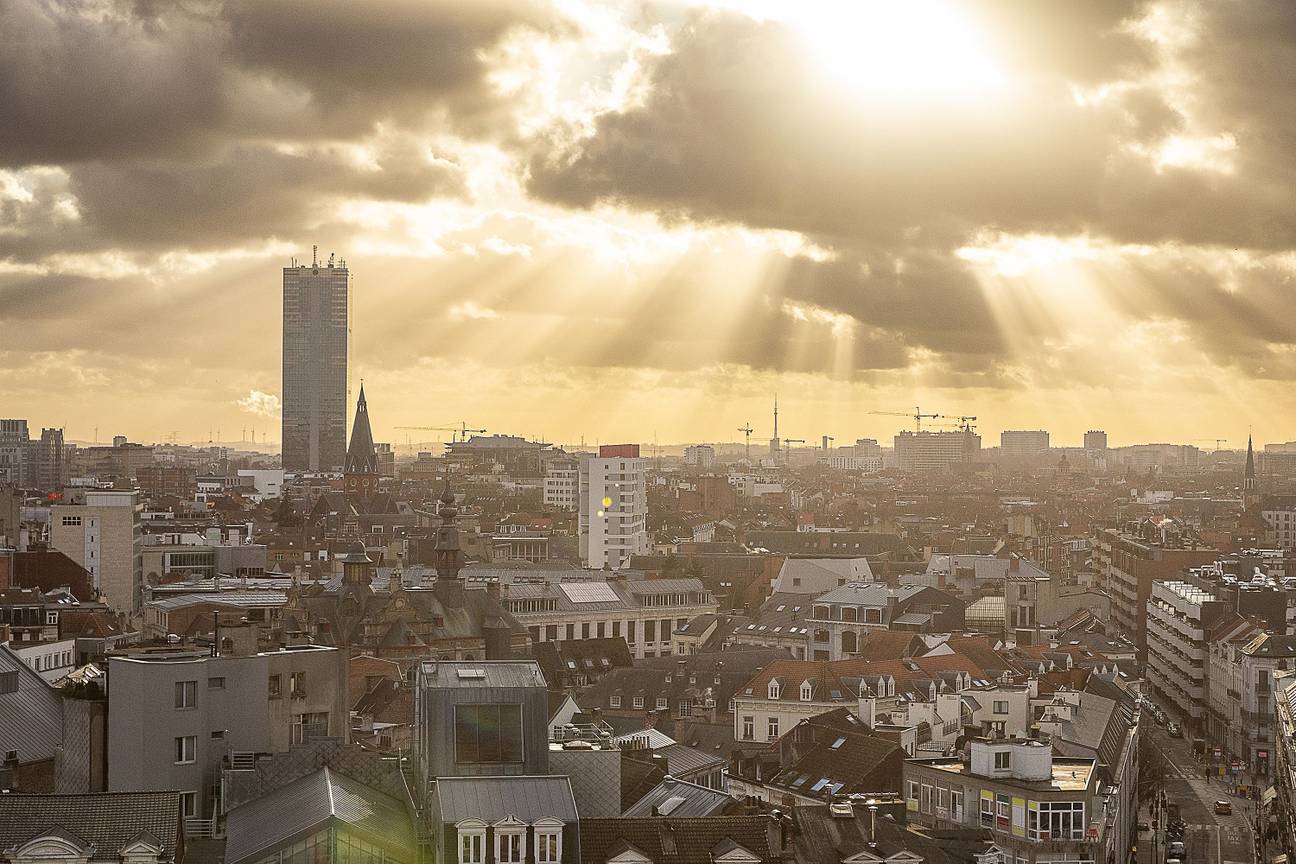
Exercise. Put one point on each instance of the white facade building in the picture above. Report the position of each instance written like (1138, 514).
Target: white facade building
(700, 455)
(1178, 616)
(928, 451)
(613, 502)
(561, 481)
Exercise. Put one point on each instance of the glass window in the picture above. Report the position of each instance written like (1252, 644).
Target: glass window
(488, 734)
(215, 683)
(638, 701)
(185, 748)
(186, 694)
(188, 804)
(510, 846)
(614, 701)
(773, 727)
(548, 846)
(275, 686)
(748, 728)
(1003, 761)
(472, 846)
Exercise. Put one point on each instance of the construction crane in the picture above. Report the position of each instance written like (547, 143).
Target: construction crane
(917, 416)
(460, 430)
(1218, 441)
(747, 431)
(965, 422)
(827, 439)
(788, 441)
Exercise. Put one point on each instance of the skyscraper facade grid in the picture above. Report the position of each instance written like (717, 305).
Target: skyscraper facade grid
(314, 366)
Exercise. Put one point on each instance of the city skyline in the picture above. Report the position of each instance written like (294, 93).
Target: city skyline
(1058, 219)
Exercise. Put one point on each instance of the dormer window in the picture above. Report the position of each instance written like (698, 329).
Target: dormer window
(773, 691)
(807, 691)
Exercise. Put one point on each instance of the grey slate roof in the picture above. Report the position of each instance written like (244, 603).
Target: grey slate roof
(31, 719)
(304, 806)
(529, 798)
(868, 593)
(682, 759)
(109, 820)
(693, 800)
(495, 673)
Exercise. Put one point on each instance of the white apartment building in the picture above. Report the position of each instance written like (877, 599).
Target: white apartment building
(103, 535)
(1178, 616)
(613, 501)
(754, 485)
(646, 613)
(700, 456)
(1022, 442)
(867, 464)
(929, 451)
(561, 481)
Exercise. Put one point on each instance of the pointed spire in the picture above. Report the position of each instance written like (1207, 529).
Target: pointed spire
(360, 457)
(1250, 460)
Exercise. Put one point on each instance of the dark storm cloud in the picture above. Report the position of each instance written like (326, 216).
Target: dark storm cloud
(741, 125)
(395, 57)
(244, 193)
(83, 82)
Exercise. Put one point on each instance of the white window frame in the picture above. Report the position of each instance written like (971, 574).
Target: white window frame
(472, 830)
(186, 755)
(638, 702)
(508, 833)
(186, 693)
(807, 692)
(189, 804)
(772, 728)
(548, 830)
(614, 701)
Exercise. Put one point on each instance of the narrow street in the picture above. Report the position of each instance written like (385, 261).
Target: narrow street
(1211, 838)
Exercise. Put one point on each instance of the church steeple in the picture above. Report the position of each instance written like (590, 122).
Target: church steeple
(361, 466)
(1250, 485)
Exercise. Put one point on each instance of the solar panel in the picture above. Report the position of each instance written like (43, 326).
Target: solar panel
(589, 592)
(823, 781)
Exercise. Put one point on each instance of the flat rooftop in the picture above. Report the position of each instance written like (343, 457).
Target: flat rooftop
(1069, 775)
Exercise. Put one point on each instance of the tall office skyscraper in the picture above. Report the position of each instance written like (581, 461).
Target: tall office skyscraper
(314, 366)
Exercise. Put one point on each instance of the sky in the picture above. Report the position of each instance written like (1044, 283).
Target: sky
(605, 221)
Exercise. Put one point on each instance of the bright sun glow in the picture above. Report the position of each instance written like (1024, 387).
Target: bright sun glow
(898, 48)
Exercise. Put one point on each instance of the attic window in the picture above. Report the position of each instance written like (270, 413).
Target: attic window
(837, 744)
(773, 690)
(807, 692)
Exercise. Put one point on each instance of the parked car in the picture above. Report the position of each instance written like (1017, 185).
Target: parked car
(1223, 808)
(1176, 849)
